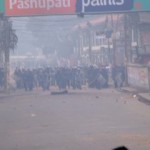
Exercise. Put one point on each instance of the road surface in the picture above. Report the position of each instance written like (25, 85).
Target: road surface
(80, 120)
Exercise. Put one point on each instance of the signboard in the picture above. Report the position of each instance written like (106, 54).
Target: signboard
(50, 7)
(2, 6)
(95, 6)
(39, 7)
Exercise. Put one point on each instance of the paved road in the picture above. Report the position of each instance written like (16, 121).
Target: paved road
(81, 120)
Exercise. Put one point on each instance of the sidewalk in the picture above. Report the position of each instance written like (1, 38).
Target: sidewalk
(143, 97)
(22, 92)
(15, 93)
(129, 90)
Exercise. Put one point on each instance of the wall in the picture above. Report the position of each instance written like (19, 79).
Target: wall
(138, 77)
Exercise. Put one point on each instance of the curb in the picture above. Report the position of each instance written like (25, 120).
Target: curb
(131, 91)
(143, 99)
(14, 95)
(135, 92)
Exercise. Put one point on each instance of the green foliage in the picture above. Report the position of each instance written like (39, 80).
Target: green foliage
(8, 38)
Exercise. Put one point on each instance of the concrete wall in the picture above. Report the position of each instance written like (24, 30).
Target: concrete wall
(139, 77)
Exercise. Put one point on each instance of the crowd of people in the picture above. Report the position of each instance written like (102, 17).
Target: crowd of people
(65, 78)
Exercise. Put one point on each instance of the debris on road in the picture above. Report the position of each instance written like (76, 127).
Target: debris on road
(59, 92)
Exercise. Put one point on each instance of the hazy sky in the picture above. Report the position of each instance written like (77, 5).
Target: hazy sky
(46, 26)
(25, 37)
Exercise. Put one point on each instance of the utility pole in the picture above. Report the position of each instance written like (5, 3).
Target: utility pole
(125, 36)
(109, 51)
(90, 48)
(108, 34)
(1, 39)
(114, 27)
(128, 43)
(1, 58)
(126, 53)
(8, 41)
(7, 53)
(89, 40)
